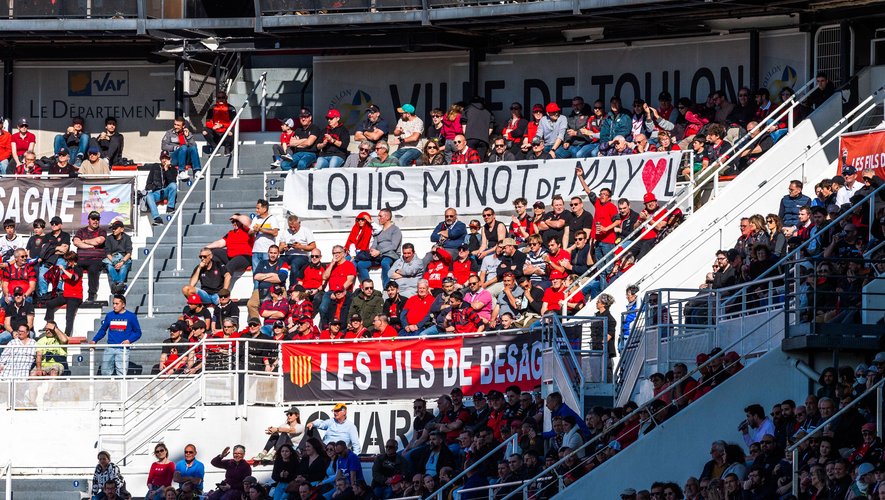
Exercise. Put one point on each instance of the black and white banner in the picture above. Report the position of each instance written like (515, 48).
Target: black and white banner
(25, 199)
(470, 188)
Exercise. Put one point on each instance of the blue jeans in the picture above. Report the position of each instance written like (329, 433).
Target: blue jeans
(600, 250)
(207, 298)
(114, 361)
(279, 492)
(329, 162)
(428, 332)
(169, 193)
(407, 156)
(118, 276)
(299, 161)
(363, 266)
(577, 151)
(186, 155)
(59, 142)
(297, 263)
(257, 257)
(5, 337)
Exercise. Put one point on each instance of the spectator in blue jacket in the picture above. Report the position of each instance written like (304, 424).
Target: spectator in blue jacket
(122, 329)
(617, 122)
(449, 233)
(791, 203)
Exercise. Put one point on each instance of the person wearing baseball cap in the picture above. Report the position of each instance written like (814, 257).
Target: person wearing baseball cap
(551, 129)
(281, 150)
(60, 165)
(850, 187)
(338, 428)
(287, 434)
(334, 142)
(651, 211)
(118, 248)
(303, 144)
(409, 130)
(22, 142)
(373, 128)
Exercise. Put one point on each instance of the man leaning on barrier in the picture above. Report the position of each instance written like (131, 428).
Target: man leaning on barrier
(122, 328)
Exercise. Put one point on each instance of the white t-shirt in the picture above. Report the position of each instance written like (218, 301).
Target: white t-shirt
(415, 124)
(263, 241)
(304, 236)
(7, 246)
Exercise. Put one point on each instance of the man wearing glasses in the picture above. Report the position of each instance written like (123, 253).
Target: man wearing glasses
(189, 470)
(89, 241)
(212, 277)
(499, 152)
(338, 428)
(463, 154)
(551, 129)
(361, 157)
(450, 233)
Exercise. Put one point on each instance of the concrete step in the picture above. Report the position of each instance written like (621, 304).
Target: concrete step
(24, 488)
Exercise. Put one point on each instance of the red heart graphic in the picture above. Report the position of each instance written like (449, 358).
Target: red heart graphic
(652, 173)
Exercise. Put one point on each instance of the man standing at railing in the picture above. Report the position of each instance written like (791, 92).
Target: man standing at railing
(122, 329)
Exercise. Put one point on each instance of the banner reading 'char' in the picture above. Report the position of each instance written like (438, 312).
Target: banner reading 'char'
(410, 368)
(469, 189)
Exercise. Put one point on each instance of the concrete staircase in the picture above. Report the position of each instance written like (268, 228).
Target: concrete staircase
(42, 488)
(229, 195)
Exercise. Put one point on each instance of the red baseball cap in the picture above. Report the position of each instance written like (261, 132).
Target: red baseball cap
(553, 108)
(333, 113)
(648, 198)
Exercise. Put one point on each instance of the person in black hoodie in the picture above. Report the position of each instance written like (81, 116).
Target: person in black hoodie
(478, 123)
(161, 185)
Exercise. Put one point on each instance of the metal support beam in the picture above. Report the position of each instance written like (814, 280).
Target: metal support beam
(179, 87)
(476, 56)
(754, 59)
(7, 88)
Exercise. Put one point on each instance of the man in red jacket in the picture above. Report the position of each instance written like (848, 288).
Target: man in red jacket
(218, 121)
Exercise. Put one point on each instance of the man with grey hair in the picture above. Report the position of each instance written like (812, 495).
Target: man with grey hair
(407, 270)
(361, 157)
(296, 243)
(236, 470)
(615, 147)
(384, 250)
(383, 158)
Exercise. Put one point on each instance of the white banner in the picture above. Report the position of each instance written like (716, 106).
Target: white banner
(430, 190)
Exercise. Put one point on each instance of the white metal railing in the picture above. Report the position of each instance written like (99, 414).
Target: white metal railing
(205, 176)
(7, 479)
(644, 408)
(438, 494)
(686, 196)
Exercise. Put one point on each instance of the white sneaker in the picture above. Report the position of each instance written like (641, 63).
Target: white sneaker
(286, 157)
(184, 175)
(275, 164)
(199, 175)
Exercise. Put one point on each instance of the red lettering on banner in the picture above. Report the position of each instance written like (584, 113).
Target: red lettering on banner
(864, 152)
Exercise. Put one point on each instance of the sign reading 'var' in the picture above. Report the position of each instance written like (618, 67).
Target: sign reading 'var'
(98, 83)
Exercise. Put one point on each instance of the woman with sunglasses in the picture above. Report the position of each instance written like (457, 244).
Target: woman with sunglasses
(432, 155)
(160, 475)
(434, 130)
(777, 239)
(360, 233)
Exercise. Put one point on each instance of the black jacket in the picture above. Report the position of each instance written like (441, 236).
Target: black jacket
(158, 179)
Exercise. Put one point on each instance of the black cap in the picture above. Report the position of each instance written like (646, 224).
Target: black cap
(296, 288)
(279, 324)
(305, 112)
(18, 291)
(539, 204)
(335, 322)
(478, 395)
(55, 220)
(63, 152)
(94, 215)
(254, 321)
(116, 224)
(373, 109)
(277, 289)
(355, 317)
(449, 279)
(178, 326)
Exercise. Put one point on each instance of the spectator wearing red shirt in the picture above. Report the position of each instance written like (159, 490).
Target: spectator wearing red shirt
(463, 267)
(415, 313)
(160, 475)
(656, 218)
(360, 236)
(333, 331)
(382, 328)
(438, 268)
(605, 220)
(72, 293)
(19, 274)
(276, 307)
(553, 296)
(234, 250)
(339, 275)
(555, 256)
(394, 304)
(22, 142)
(300, 306)
(312, 278)
(462, 318)
(282, 149)
(464, 154)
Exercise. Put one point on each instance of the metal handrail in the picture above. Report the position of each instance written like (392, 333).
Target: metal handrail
(438, 493)
(7, 477)
(794, 448)
(688, 192)
(179, 212)
(490, 488)
(561, 339)
(644, 406)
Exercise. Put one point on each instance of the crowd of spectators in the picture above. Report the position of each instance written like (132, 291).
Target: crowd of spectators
(467, 133)
(837, 459)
